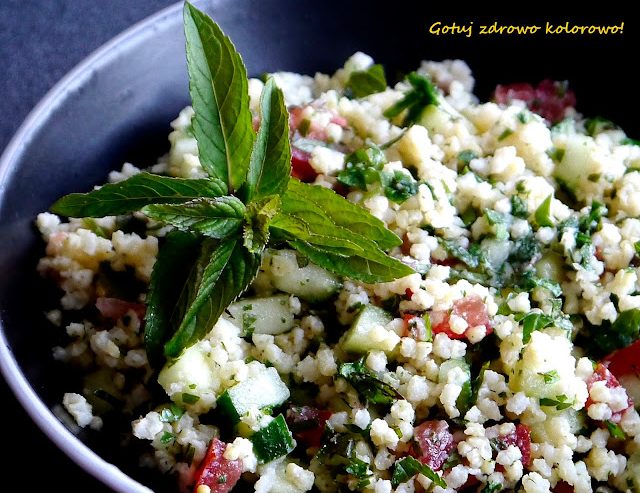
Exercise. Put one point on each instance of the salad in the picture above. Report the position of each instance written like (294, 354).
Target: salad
(330, 284)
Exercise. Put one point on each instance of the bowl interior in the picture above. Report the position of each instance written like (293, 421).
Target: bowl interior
(117, 107)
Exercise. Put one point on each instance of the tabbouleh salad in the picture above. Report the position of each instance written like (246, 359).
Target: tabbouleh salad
(467, 319)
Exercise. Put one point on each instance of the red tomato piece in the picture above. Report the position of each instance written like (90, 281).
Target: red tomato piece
(300, 167)
(521, 438)
(471, 308)
(307, 423)
(216, 472)
(625, 361)
(115, 308)
(602, 374)
(435, 443)
(550, 99)
(562, 487)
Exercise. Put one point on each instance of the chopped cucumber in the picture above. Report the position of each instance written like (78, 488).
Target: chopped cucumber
(309, 282)
(576, 162)
(264, 389)
(463, 402)
(272, 441)
(192, 373)
(435, 119)
(270, 315)
(366, 335)
(496, 251)
(550, 266)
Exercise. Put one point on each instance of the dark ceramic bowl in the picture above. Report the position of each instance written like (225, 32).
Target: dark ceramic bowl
(117, 104)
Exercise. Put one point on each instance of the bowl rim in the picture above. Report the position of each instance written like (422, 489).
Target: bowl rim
(49, 424)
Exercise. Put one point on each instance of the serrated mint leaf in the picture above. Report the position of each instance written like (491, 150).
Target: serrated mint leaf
(259, 216)
(532, 322)
(219, 93)
(170, 272)
(127, 196)
(369, 81)
(270, 165)
(228, 273)
(342, 213)
(370, 266)
(217, 217)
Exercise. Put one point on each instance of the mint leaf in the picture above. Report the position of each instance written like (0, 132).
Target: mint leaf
(259, 216)
(532, 322)
(621, 333)
(370, 266)
(408, 467)
(216, 217)
(270, 165)
(422, 94)
(228, 273)
(219, 93)
(170, 272)
(343, 213)
(367, 383)
(369, 81)
(114, 199)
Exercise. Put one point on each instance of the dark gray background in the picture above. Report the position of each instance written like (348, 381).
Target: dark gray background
(40, 41)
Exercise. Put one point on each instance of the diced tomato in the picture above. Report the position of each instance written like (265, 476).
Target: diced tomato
(471, 308)
(115, 308)
(625, 361)
(300, 167)
(562, 487)
(216, 472)
(414, 327)
(434, 443)
(521, 438)
(550, 99)
(307, 424)
(602, 374)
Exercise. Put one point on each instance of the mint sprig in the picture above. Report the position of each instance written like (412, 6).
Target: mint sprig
(223, 223)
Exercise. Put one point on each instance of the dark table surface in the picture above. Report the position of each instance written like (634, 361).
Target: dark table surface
(40, 41)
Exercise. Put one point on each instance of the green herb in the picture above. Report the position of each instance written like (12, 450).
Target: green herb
(615, 430)
(189, 398)
(363, 168)
(171, 414)
(90, 224)
(422, 94)
(543, 213)
(621, 333)
(630, 142)
(494, 217)
(428, 337)
(525, 117)
(519, 207)
(524, 249)
(469, 216)
(362, 83)
(471, 256)
(218, 86)
(218, 217)
(133, 194)
(550, 376)
(596, 125)
(532, 322)
(226, 221)
(399, 186)
(453, 460)
(507, 132)
(531, 281)
(560, 402)
(408, 467)
(465, 157)
(492, 488)
(359, 469)
(636, 246)
(367, 384)
(167, 438)
(222, 479)
(556, 153)
(589, 222)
